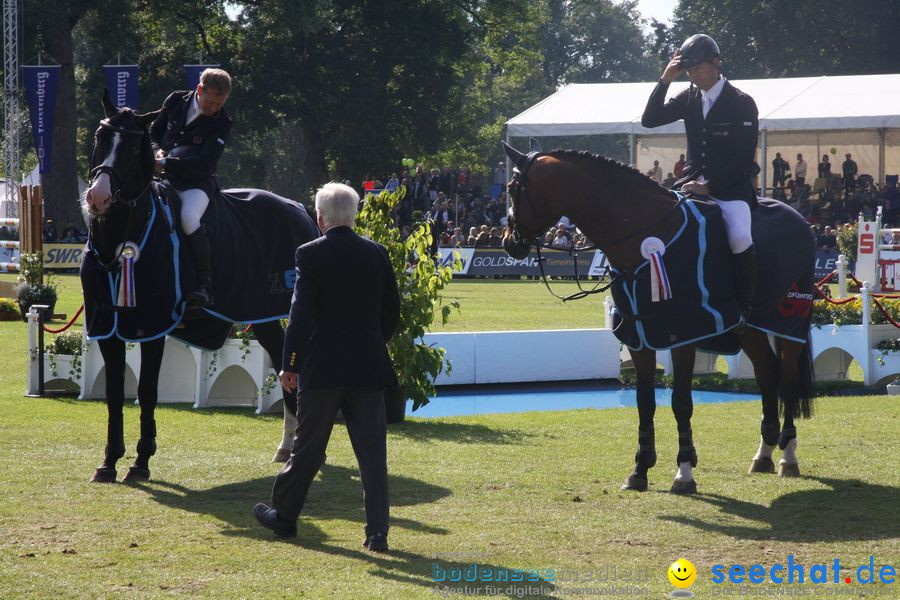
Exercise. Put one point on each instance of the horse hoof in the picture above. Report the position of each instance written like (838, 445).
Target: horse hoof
(136, 474)
(762, 465)
(635, 483)
(684, 487)
(281, 455)
(788, 469)
(103, 475)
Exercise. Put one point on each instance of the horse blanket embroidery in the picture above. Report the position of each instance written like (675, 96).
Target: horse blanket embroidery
(253, 235)
(702, 309)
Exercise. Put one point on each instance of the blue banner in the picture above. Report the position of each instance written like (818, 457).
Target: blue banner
(41, 87)
(121, 81)
(192, 74)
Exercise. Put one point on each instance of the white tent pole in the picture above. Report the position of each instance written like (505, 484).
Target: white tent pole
(508, 174)
(765, 161)
(880, 156)
(632, 139)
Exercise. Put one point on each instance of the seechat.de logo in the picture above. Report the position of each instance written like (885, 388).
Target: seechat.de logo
(794, 572)
(682, 574)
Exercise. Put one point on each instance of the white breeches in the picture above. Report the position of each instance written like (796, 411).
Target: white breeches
(193, 205)
(736, 214)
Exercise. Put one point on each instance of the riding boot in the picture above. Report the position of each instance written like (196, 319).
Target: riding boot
(745, 280)
(198, 244)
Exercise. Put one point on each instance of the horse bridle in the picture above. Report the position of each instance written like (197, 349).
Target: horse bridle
(518, 182)
(118, 179)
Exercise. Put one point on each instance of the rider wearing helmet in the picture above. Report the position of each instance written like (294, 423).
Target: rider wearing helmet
(188, 137)
(722, 124)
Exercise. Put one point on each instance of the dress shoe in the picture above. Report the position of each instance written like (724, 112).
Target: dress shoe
(268, 518)
(376, 542)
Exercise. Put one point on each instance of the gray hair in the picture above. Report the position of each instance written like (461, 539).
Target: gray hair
(336, 203)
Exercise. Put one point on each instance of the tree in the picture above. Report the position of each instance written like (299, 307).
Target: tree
(796, 38)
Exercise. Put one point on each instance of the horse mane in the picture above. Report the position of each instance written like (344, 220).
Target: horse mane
(620, 170)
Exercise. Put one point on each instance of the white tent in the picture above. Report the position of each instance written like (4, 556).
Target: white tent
(858, 114)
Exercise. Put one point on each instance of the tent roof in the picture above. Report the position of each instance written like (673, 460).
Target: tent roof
(796, 103)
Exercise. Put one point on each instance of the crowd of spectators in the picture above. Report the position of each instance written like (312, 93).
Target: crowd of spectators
(466, 210)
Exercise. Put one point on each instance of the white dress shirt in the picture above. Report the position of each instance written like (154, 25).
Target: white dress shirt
(711, 95)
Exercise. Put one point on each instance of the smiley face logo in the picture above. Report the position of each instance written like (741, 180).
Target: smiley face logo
(682, 573)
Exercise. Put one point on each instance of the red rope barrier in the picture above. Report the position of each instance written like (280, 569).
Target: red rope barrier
(67, 325)
(825, 279)
(884, 312)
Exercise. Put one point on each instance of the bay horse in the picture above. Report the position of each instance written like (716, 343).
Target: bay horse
(135, 277)
(633, 220)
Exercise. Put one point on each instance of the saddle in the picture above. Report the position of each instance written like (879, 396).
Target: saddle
(697, 265)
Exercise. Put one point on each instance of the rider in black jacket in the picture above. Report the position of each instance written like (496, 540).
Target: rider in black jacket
(188, 137)
(722, 126)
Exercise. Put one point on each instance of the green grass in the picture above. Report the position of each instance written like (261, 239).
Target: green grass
(533, 490)
(536, 490)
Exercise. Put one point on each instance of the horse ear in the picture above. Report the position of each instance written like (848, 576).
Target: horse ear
(146, 118)
(535, 145)
(108, 106)
(514, 155)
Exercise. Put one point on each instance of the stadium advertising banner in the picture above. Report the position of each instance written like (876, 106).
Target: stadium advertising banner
(62, 256)
(41, 86)
(826, 262)
(121, 81)
(488, 262)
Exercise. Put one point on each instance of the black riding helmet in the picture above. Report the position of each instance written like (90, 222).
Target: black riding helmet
(699, 48)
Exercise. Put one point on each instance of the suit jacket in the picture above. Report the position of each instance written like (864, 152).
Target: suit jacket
(721, 147)
(192, 150)
(345, 308)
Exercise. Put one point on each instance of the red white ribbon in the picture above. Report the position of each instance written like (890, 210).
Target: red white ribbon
(659, 279)
(126, 296)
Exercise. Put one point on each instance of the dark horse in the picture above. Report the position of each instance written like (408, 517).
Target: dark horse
(134, 273)
(621, 210)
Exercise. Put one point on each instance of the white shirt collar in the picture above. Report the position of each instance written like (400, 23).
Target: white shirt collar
(193, 110)
(712, 94)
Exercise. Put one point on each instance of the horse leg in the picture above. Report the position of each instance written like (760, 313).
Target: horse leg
(755, 344)
(113, 351)
(645, 370)
(683, 409)
(148, 384)
(795, 400)
(271, 338)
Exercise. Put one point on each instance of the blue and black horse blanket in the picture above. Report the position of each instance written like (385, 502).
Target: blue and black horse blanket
(253, 235)
(698, 267)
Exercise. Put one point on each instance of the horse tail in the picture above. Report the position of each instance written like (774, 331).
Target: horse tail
(806, 375)
(804, 388)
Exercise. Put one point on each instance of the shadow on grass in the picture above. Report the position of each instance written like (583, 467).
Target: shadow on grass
(335, 494)
(851, 510)
(405, 567)
(460, 433)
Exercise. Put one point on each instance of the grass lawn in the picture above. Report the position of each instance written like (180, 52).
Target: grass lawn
(532, 490)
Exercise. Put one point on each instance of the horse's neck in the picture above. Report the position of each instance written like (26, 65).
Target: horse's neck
(618, 221)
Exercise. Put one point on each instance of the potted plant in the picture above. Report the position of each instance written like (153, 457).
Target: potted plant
(420, 279)
(9, 310)
(32, 288)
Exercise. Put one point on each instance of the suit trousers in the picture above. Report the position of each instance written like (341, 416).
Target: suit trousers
(363, 411)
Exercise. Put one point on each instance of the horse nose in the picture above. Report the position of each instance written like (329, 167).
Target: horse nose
(97, 201)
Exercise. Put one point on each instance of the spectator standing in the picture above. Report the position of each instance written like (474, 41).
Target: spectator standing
(780, 170)
(678, 169)
(656, 172)
(849, 170)
(824, 167)
(800, 171)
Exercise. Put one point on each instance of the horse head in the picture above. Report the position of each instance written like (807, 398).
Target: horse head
(529, 214)
(122, 159)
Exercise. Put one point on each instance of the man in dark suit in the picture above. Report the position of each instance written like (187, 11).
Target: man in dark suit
(721, 124)
(345, 308)
(188, 137)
